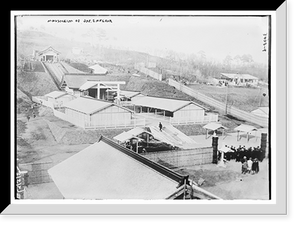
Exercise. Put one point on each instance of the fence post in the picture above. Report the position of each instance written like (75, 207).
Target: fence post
(215, 149)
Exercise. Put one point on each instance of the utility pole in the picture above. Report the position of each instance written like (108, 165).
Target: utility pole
(226, 99)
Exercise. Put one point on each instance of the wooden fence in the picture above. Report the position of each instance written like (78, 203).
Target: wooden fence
(148, 72)
(250, 117)
(182, 158)
(152, 117)
(133, 123)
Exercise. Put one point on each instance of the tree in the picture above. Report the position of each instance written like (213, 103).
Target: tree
(227, 61)
(247, 58)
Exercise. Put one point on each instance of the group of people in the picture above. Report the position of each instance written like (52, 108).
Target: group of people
(30, 112)
(238, 153)
(250, 165)
(249, 157)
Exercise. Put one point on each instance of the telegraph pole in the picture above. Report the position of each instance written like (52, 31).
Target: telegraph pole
(226, 99)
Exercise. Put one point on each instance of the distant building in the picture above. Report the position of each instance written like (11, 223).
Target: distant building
(238, 79)
(97, 69)
(72, 82)
(49, 54)
(76, 50)
(59, 98)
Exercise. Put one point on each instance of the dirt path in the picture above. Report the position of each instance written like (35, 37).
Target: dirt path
(228, 182)
(37, 144)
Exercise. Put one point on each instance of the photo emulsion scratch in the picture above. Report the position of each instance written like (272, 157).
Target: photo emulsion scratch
(147, 107)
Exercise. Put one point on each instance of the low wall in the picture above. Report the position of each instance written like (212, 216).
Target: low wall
(182, 158)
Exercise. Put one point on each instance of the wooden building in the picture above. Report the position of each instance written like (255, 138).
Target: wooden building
(49, 54)
(173, 110)
(59, 98)
(92, 113)
(97, 69)
(107, 170)
(239, 79)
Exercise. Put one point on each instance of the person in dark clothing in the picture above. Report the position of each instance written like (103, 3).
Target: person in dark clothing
(255, 166)
(160, 126)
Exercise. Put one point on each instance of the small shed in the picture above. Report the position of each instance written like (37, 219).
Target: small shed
(246, 131)
(89, 112)
(59, 98)
(214, 126)
(97, 69)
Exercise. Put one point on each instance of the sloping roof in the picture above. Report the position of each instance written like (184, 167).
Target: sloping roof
(243, 76)
(169, 135)
(109, 84)
(262, 111)
(168, 104)
(129, 94)
(98, 69)
(106, 170)
(74, 81)
(47, 49)
(245, 128)
(224, 149)
(214, 126)
(87, 105)
(56, 94)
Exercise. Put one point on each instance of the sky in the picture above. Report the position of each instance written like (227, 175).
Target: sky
(216, 36)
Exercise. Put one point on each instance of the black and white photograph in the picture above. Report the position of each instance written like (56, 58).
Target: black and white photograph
(143, 106)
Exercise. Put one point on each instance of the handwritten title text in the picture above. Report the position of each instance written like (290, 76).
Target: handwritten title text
(79, 21)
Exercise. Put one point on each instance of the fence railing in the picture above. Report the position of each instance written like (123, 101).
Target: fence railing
(177, 121)
(201, 120)
(250, 117)
(130, 124)
(148, 72)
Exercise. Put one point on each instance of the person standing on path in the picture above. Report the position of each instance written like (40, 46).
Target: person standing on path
(244, 166)
(249, 163)
(160, 126)
(255, 166)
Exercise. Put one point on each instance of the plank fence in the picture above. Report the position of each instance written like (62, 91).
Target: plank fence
(149, 72)
(182, 158)
(231, 110)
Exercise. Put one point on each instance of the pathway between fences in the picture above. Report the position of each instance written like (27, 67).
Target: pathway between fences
(262, 121)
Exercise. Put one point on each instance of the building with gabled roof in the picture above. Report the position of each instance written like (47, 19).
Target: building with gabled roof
(59, 98)
(97, 69)
(173, 110)
(107, 170)
(239, 79)
(48, 54)
(92, 113)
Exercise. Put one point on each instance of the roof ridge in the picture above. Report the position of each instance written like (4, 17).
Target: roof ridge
(157, 167)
